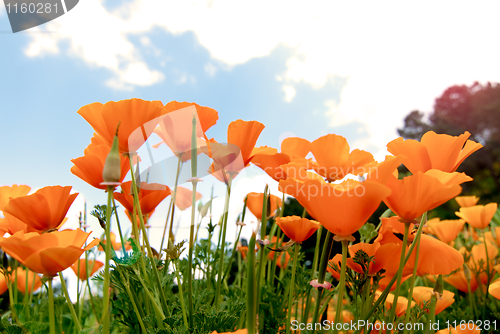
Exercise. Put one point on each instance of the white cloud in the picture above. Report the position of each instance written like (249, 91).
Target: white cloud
(101, 39)
(289, 93)
(210, 69)
(135, 74)
(396, 56)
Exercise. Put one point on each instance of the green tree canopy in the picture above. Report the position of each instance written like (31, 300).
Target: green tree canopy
(476, 109)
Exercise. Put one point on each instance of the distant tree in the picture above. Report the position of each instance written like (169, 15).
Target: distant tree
(475, 109)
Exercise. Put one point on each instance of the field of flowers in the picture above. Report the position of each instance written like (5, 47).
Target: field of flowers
(406, 274)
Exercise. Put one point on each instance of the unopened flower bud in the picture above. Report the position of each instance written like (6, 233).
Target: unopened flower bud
(439, 286)
(112, 169)
(467, 273)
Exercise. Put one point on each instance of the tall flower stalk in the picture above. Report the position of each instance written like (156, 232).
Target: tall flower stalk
(194, 181)
(220, 271)
(292, 287)
(341, 286)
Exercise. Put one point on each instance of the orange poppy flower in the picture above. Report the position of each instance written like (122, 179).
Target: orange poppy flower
(243, 250)
(296, 228)
(34, 281)
(254, 204)
(494, 289)
(466, 201)
(458, 280)
(47, 253)
(7, 193)
(449, 258)
(80, 269)
(11, 225)
(45, 209)
(448, 261)
(434, 151)
(489, 236)
(353, 202)
(116, 245)
(239, 331)
(347, 316)
(478, 216)
(89, 167)
(401, 305)
(299, 171)
(207, 116)
(333, 160)
(424, 293)
(184, 198)
(337, 259)
(137, 118)
(381, 172)
(150, 195)
(445, 230)
(386, 279)
(176, 126)
(449, 178)
(292, 149)
(478, 257)
(382, 255)
(230, 159)
(3, 284)
(282, 258)
(418, 193)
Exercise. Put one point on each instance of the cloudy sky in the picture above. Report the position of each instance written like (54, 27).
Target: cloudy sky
(303, 69)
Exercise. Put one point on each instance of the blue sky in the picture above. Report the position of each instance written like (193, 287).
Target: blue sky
(328, 67)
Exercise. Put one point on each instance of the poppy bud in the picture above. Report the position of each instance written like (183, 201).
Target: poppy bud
(112, 168)
(439, 286)
(467, 273)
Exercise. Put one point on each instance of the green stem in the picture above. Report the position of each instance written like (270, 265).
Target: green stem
(251, 292)
(119, 227)
(70, 304)
(432, 312)
(11, 300)
(222, 243)
(52, 320)
(159, 313)
(209, 249)
(194, 165)
(262, 251)
(132, 299)
(471, 297)
(384, 294)
(399, 274)
(146, 240)
(488, 277)
(105, 293)
(172, 207)
(292, 286)
(190, 261)
(327, 247)
(414, 275)
(26, 286)
(235, 244)
(92, 301)
(228, 269)
(341, 289)
(181, 294)
(305, 316)
(325, 304)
